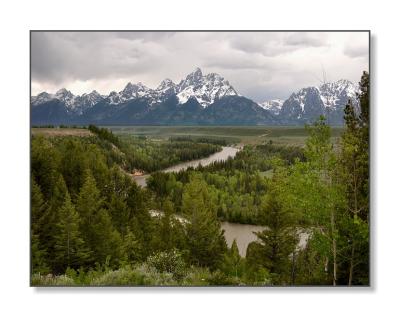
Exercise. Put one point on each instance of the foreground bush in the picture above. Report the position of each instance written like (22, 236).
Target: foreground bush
(141, 275)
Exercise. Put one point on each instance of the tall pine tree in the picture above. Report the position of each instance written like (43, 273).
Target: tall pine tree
(278, 242)
(99, 233)
(38, 210)
(205, 239)
(69, 248)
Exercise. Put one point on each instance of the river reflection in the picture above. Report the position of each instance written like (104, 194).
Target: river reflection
(244, 234)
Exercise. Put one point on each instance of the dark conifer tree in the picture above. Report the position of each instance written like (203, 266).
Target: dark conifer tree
(99, 233)
(205, 239)
(131, 248)
(107, 241)
(278, 242)
(119, 214)
(69, 247)
(38, 211)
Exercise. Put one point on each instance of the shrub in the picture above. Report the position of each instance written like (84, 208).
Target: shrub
(137, 276)
(169, 262)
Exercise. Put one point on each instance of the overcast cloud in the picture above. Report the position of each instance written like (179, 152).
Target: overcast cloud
(259, 65)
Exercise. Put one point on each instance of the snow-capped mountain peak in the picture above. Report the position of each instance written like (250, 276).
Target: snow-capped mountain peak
(206, 89)
(41, 98)
(67, 97)
(328, 99)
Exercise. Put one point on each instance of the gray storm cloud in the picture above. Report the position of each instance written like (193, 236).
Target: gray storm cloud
(260, 65)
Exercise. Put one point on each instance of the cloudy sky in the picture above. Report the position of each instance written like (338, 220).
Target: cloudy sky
(259, 65)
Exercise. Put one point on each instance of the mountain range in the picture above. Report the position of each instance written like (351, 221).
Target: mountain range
(196, 100)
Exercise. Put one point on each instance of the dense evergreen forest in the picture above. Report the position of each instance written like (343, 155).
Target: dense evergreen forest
(92, 225)
(147, 155)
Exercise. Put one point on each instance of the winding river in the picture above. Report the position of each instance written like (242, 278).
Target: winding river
(227, 151)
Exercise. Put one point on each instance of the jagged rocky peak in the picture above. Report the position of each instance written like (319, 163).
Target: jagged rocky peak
(214, 77)
(114, 98)
(91, 98)
(94, 93)
(134, 88)
(44, 95)
(166, 86)
(340, 88)
(132, 91)
(41, 98)
(206, 89)
(63, 94)
(196, 75)
(128, 87)
(192, 79)
(67, 97)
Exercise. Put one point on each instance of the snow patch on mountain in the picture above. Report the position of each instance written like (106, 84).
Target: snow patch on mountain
(334, 94)
(274, 106)
(86, 101)
(166, 87)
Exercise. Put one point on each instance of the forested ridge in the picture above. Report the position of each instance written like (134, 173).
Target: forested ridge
(91, 225)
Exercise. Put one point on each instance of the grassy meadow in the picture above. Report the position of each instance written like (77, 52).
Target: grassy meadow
(52, 132)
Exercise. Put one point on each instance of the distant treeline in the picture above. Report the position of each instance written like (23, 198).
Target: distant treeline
(211, 140)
